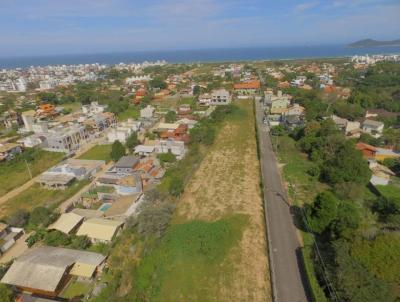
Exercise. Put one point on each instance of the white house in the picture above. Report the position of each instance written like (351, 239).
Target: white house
(215, 98)
(373, 128)
(93, 108)
(147, 112)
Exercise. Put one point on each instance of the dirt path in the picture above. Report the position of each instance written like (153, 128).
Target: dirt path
(227, 183)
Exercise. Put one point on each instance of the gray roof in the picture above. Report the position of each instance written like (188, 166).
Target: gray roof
(43, 268)
(372, 123)
(127, 162)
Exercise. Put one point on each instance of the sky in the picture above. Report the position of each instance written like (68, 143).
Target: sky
(42, 27)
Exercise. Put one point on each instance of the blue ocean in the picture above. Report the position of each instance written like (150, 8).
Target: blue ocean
(203, 55)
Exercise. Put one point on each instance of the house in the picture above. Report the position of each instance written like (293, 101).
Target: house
(178, 134)
(62, 175)
(8, 150)
(274, 120)
(376, 153)
(88, 213)
(381, 113)
(249, 88)
(139, 95)
(373, 128)
(216, 97)
(147, 112)
(348, 127)
(65, 139)
(368, 151)
(299, 81)
(93, 108)
(126, 164)
(184, 110)
(123, 131)
(177, 148)
(123, 183)
(100, 229)
(380, 174)
(279, 106)
(8, 236)
(150, 170)
(293, 121)
(188, 122)
(67, 223)
(100, 121)
(144, 150)
(161, 127)
(294, 109)
(46, 270)
(123, 207)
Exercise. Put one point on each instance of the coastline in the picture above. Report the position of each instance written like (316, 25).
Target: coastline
(222, 55)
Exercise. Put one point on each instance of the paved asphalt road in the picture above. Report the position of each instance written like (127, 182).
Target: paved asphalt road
(289, 283)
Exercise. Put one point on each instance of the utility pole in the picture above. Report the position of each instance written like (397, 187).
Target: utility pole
(29, 170)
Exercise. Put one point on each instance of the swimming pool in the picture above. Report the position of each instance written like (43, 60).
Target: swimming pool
(104, 207)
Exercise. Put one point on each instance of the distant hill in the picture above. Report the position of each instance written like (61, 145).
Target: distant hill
(374, 43)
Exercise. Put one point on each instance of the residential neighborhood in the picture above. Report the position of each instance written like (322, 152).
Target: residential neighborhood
(102, 170)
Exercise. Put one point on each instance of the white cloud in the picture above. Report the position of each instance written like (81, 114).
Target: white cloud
(300, 8)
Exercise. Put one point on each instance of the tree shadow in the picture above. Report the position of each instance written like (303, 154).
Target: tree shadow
(298, 218)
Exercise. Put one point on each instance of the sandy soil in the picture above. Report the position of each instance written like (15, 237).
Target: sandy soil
(227, 183)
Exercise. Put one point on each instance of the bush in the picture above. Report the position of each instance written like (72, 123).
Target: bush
(18, 219)
(40, 216)
(117, 151)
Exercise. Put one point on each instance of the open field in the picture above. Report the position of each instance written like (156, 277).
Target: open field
(15, 173)
(221, 212)
(132, 112)
(36, 196)
(99, 152)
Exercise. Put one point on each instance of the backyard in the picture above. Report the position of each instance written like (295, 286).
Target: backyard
(15, 172)
(99, 152)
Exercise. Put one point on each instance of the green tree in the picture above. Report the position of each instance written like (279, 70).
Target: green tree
(348, 165)
(176, 186)
(196, 90)
(166, 158)
(132, 141)
(117, 150)
(6, 294)
(158, 82)
(323, 211)
(56, 238)
(170, 117)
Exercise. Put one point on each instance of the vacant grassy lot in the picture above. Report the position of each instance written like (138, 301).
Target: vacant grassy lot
(36, 196)
(219, 225)
(99, 152)
(15, 173)
(193, 253)
(132, 112)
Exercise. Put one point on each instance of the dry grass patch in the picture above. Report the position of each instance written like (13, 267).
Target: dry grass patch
(227, 183)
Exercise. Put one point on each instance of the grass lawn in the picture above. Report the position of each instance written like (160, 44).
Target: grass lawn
(295, 167)
(75, 289)
(132, 112)
(14, 173)
(36, 196)
(192, 253)
(99, 152)
(73, 106)
(390, 192)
